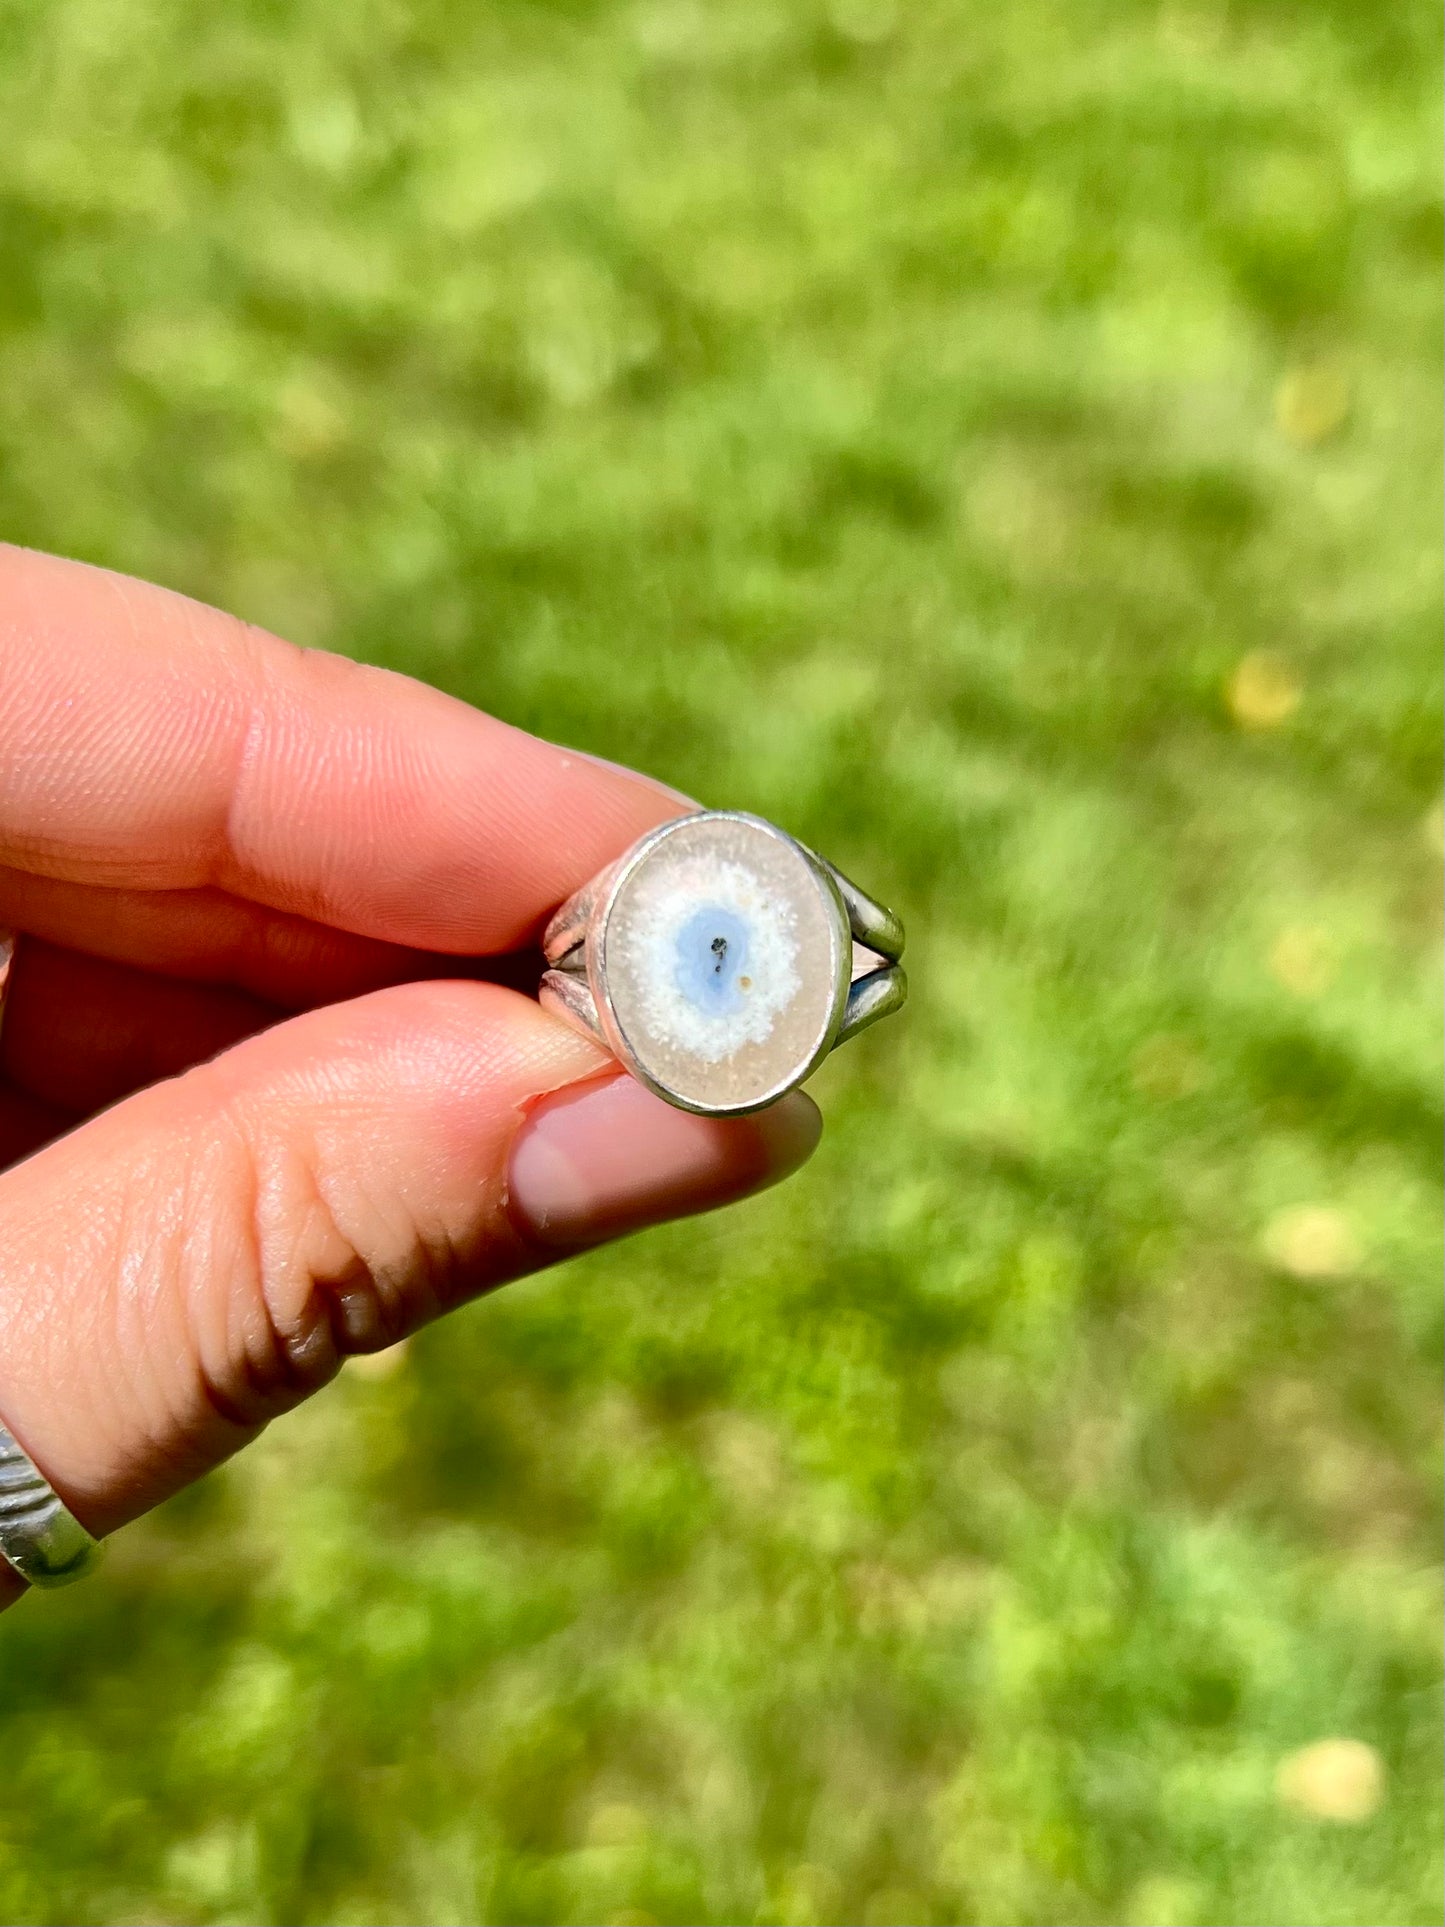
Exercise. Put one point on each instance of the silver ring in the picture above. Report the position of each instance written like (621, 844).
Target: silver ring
(44, 1541)
(720, 960)
(40, 1537)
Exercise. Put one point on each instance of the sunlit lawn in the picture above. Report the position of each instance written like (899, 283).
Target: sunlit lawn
(1000, 443)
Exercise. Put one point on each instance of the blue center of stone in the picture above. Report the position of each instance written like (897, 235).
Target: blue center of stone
(712, 961)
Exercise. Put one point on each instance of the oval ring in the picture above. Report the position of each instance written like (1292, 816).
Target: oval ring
(720, 960)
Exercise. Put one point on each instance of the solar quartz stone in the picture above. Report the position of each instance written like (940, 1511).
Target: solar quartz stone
(720, 962)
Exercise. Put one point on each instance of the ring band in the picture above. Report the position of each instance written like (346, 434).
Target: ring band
(39, 1536)
(720, 960)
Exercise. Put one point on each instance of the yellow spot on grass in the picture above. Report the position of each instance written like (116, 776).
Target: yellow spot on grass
(1190, 30)
(1434, 827)
(809, 1894)
(1263, 692)
(1312, 403)
(616, 1823)
(1300, 959)
(311, 419)
(1336, 1779)
(747, 1459)
(866, 21)
(896, 1907)
(1167, 1067)
(1164, 1900)
(1312, 1241)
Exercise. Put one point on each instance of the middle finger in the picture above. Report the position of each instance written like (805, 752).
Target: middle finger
(211, 937)
(80, 1032)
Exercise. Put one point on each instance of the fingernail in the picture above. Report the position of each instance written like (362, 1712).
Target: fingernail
(598, 1160)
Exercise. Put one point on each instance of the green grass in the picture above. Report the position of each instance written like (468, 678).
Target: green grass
(900, 417)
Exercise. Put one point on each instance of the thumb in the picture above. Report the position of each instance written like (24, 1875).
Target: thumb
(202, 1256)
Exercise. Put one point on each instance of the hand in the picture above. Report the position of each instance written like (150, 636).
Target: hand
(263, 1123)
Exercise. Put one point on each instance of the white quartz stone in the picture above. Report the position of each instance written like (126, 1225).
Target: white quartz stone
(724, 959)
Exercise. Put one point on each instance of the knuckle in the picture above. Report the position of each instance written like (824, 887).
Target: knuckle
(321, 1271)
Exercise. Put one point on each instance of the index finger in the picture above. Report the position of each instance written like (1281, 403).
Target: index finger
(147, 741)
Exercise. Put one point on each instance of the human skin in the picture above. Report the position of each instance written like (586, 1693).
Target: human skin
(259, 1107)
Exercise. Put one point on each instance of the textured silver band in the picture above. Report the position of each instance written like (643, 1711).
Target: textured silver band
(45, 1543)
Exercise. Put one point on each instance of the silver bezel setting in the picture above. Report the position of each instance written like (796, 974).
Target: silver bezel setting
(866, 941)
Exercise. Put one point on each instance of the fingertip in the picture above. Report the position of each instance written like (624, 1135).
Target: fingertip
(604, 1158)
(790, 1131)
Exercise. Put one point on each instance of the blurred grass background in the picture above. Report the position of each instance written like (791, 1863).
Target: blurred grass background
(1001, 444)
